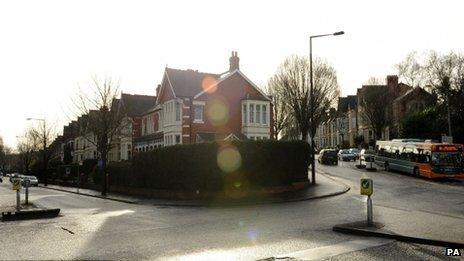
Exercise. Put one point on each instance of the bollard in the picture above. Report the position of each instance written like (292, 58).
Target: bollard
(27, 183)
(18, 200)
(369, 211)
(27, 193)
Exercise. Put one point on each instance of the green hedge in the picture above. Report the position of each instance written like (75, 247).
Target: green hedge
(195, 166)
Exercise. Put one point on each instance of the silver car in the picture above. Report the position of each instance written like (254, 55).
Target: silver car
(33, 181)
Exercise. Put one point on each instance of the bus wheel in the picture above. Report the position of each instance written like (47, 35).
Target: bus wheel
(416, 172)
(387, 167)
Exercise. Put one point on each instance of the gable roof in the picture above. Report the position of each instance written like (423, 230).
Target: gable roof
(135, 104)
(415, 90)
(210, 136)
(203, 91)
(187, 83)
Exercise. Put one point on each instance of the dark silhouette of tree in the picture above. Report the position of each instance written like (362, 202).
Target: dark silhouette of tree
(291, 82)
(27, 147)
(102, 119)
(43, 134)
(281, 111)
(375, 100)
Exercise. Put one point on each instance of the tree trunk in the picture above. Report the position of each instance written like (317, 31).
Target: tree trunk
(304, 135)
(103, 172)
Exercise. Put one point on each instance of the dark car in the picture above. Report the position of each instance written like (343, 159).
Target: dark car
(327, 156)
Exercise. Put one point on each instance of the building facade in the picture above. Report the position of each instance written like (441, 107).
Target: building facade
(194, 106)
(351, 125)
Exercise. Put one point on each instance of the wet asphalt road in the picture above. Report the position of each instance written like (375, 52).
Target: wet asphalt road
(92, 228)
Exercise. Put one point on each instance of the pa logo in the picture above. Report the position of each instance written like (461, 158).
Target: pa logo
(453, 252)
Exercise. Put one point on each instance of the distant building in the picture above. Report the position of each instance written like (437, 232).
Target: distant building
(348, 123)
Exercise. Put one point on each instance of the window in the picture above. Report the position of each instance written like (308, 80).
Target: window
(252, 113)
(198, 113)
(177, 139)
(129, 146)
(258, 113)
(264, 121)
(177, 111)
(129, 154)
(244, 113)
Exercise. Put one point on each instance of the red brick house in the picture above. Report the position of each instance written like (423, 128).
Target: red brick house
(194, 106)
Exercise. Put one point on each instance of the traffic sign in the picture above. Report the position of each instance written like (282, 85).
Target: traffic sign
(367, 186)
(16, 184)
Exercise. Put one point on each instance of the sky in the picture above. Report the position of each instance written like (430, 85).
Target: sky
(50, 48)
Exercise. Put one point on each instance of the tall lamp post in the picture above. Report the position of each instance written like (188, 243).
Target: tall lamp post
(44, 145)
(311, 105)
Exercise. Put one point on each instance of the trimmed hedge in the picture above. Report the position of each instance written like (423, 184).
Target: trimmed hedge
(195, 166)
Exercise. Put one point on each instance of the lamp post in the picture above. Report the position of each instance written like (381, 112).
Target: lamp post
(311, 103)
(44, 146)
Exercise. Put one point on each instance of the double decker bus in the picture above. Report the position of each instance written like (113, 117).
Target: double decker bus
(421, 158)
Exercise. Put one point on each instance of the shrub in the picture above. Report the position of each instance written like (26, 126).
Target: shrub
(198, 166)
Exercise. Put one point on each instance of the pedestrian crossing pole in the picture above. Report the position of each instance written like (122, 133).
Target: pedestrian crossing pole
(369, 211)
(367, 188)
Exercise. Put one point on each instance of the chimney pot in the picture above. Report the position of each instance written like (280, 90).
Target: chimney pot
(234, 62)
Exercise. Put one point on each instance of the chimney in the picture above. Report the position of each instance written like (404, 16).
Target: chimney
(234, 62)
(392, 81)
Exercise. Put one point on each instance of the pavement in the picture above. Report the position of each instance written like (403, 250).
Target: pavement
(325, 187)
(442, 224)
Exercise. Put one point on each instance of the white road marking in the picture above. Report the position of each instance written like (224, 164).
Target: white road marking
(337, 249)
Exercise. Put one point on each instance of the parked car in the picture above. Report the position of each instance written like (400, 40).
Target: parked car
(367, 155)
(328, 156)
(33, 181)
(346, 155)
(355, 152)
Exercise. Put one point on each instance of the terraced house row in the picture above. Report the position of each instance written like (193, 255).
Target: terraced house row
(188, 107)
(347, 125)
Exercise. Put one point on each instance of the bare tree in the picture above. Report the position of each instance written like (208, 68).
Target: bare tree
(103, 119)
(375, 101)
(292, 83)
(410, 70)
(374, 81)
(431, 68)
(27, 149)
(280, 108)
(43, 134)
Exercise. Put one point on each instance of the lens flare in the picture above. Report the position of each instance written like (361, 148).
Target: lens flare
(209, 84)
(229, 160)
(218, 113)
(253, 235)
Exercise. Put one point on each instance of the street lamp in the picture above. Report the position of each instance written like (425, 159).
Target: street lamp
(311, 105)
(44, 145)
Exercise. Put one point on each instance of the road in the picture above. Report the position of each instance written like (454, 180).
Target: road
(92, 228)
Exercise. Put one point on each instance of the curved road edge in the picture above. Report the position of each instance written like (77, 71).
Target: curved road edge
(328, 187)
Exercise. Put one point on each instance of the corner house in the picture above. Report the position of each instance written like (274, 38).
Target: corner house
(194, 106)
